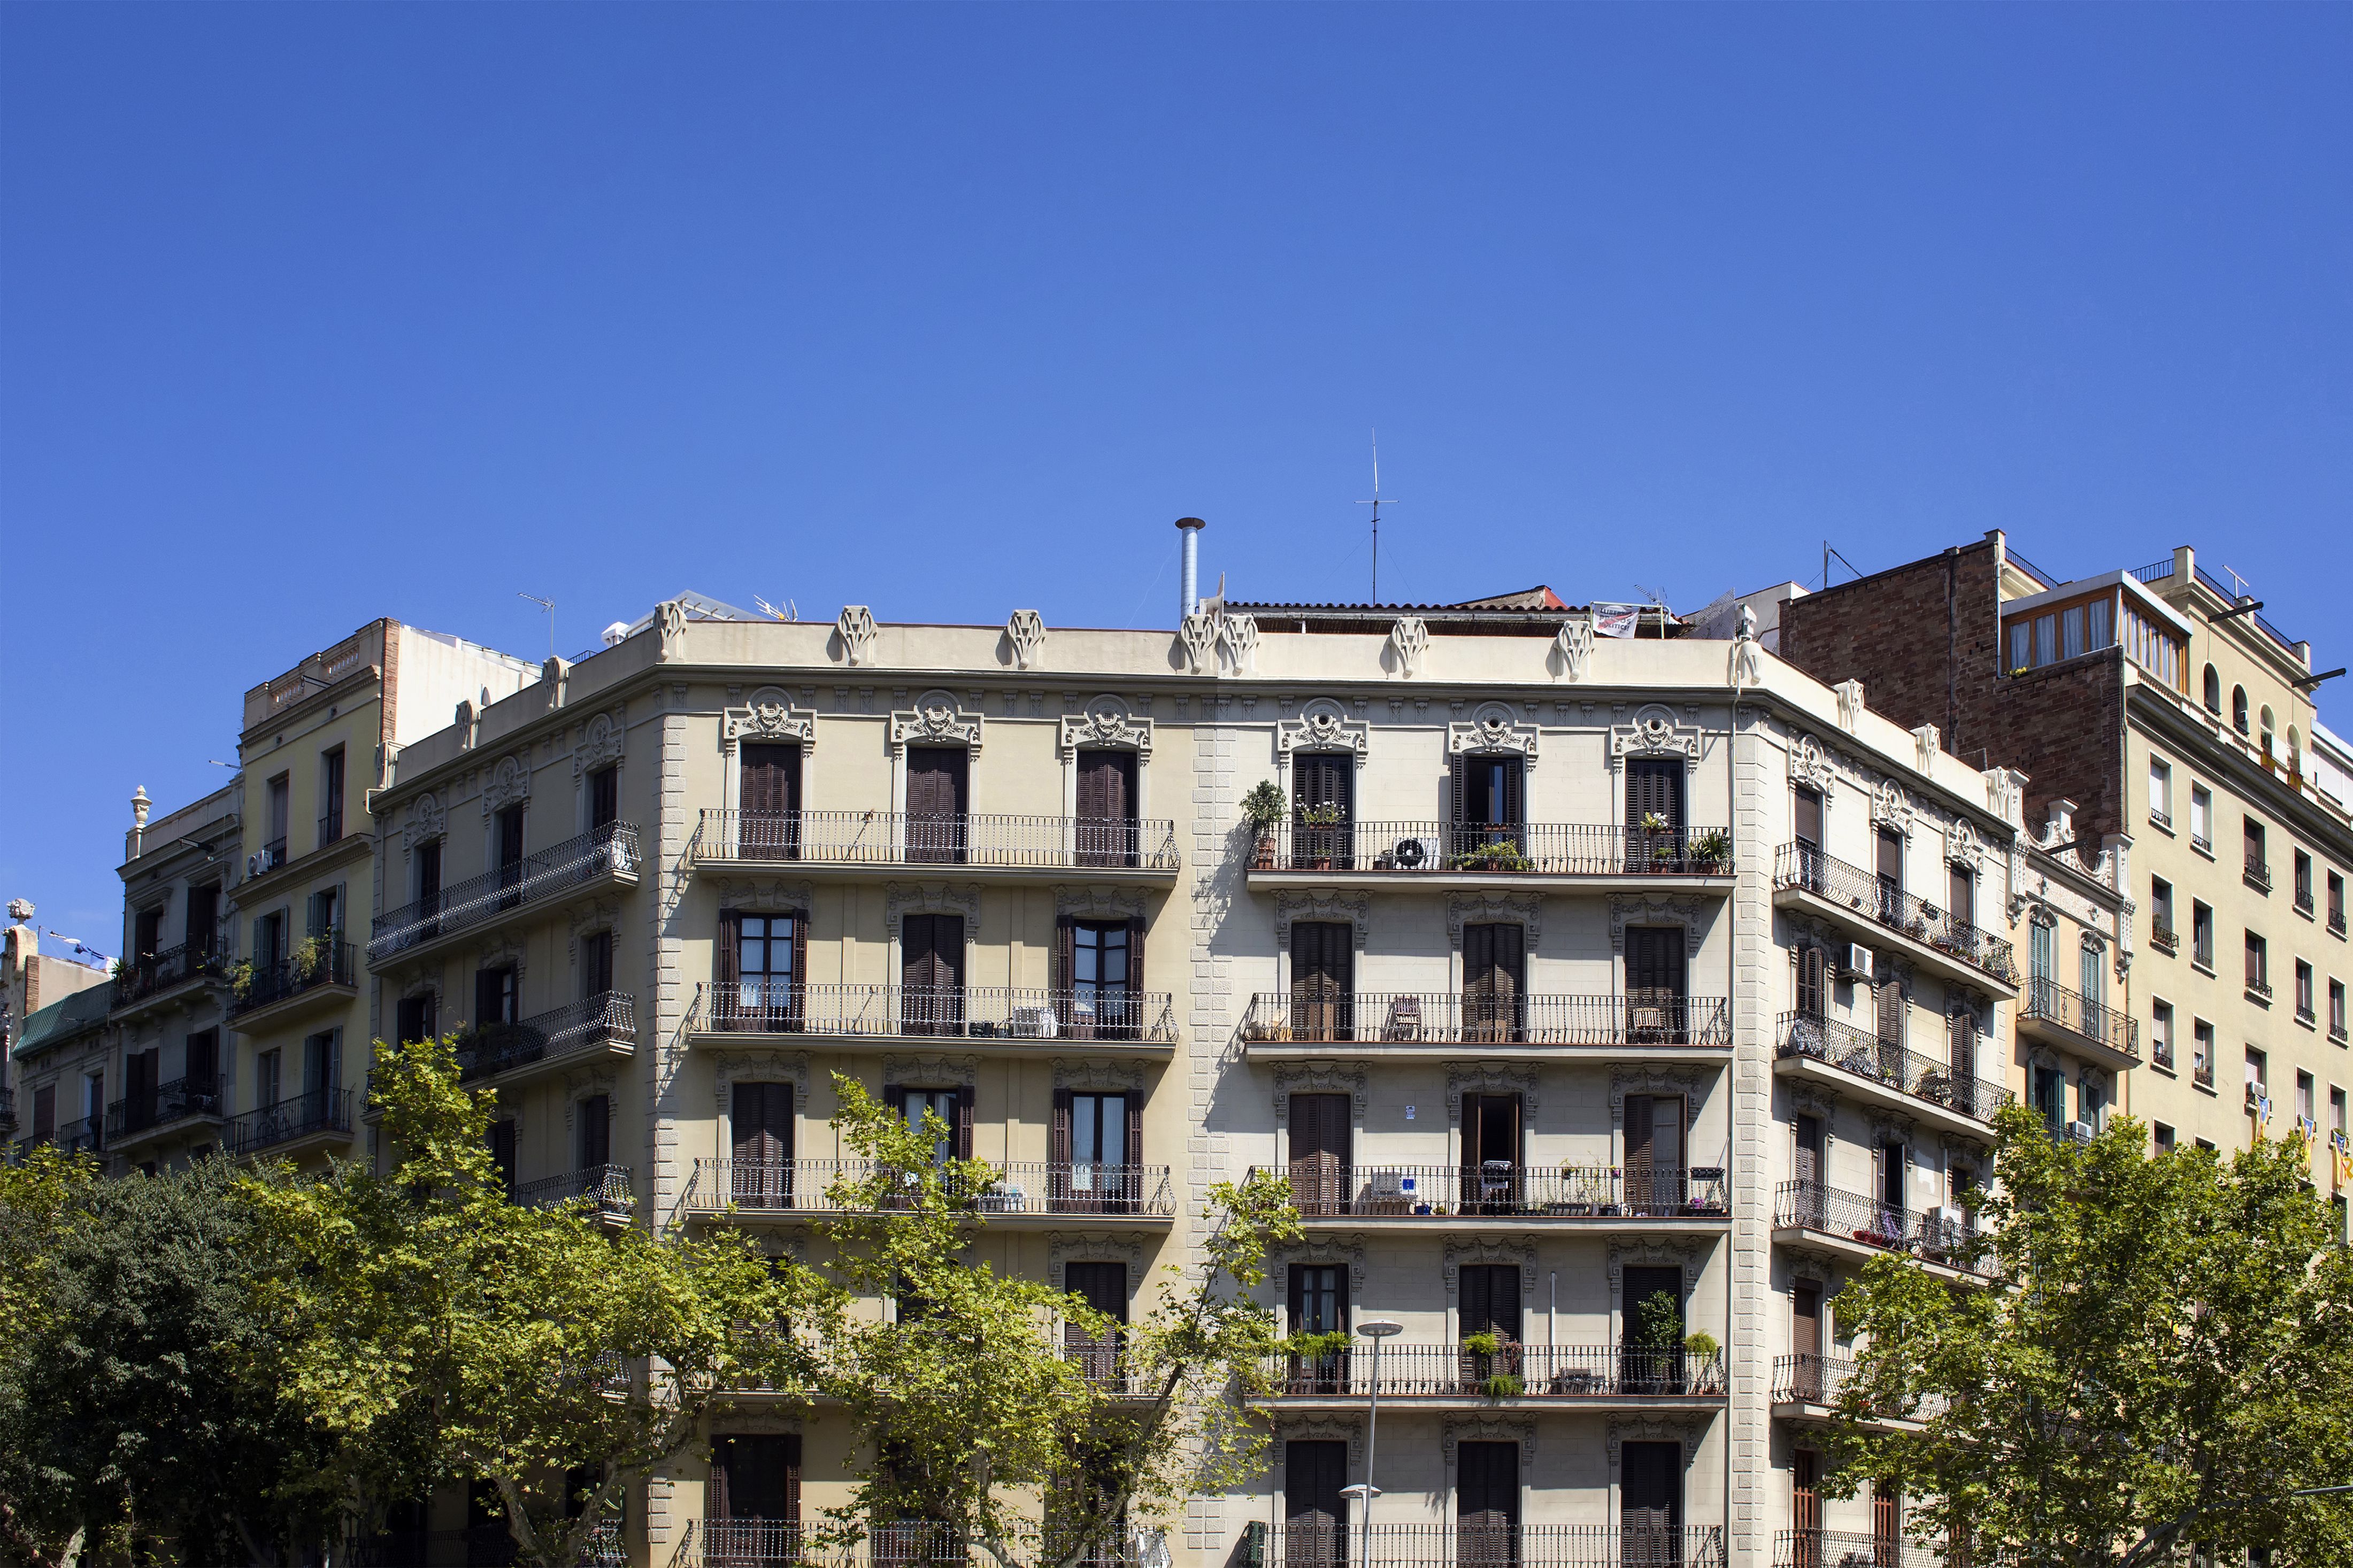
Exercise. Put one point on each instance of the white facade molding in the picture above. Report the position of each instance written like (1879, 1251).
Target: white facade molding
(1658, 909)
(769, 715)
(1655, 732)
(600, 742)
(1319, 1077)
(508, 785)
(854, 630)
(1409, 645)
(1489, 1078)
(1492, 729)
(1024, 636)
(1317, 904)
(1323, 725)
(1107, 723)
(1491, 907)
(937, 719)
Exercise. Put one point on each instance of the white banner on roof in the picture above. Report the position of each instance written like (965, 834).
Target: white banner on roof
(1616, 620)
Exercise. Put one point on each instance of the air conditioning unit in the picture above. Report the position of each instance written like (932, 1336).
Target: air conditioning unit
(1857, 965)
(2081, 1132)
(1390, 1183)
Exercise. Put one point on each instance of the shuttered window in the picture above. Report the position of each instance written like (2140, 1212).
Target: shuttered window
(769, 794)
(1106, 803)
(604, 797)
(1322, 980)
(760, 1140)
(1650, 1500)
(1490, 1299)
(1656, 959)
(593, 1118)
(1319, 1151)
(936, 778)
(1813, 980)
(1104, 1287)
(1486, 792)
(1315, 1513)
(1654, 1153)
(756, 1477)
(931, 969)
(1495, 969)
(1492, 1127)
(503, 1152)
(1487, 1502)
(596, 963)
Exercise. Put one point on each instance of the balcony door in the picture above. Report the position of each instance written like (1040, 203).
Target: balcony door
(1092, 1148)
(1099, 966)
(1318, 1305)
(762, 1145)
(1650, 1504)
(1486, 803)
(1492, 1127)
(952, 1106)
(1323, 783)
(1654, 814)
(1322, 980)
(1806, 1507)
(1654, 983)
(1494, 984)
(754, 1512)
(1487, 1502)
(1806, 1340)
(1315, 1513)
(1319, 1152)
(1655, 1154)
(509, 828)
(769, 795)
(139, 1085)
(937, 781)
(204, 918)
(1489, 1303)
(931, 971)
(1106, 803)
(1808, 1167)
(1104, 1287)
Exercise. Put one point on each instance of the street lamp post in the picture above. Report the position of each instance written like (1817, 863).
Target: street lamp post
(1376, 1331)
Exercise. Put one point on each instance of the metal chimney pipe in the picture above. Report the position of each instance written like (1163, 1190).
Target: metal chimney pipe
(1190, 587)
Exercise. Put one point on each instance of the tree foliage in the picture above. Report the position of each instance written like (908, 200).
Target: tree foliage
(2166, 1358)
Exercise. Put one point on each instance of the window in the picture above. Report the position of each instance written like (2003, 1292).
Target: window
(2336, 903)
(494, 995)
(2046, 639)
(2304, 994)
(2160, 1034)
(767, 949)
(2302, 886)
(2336, 1111)
(415, 1018)
(2154, 648)
(2050, 1097)
(204, 918)
(325, 912)
(2097, 618)
(2160, 793)
(2337, 1011)
(2259, 870)
(2305, 1111)
(273, 846)
(268, 1078)
(2239, 709)
(1100, 1155)
(2213, 692)
(2162, 1134)
(604, 797)
(2089, 968)
(330, 798)
(1102, 1003)
(1961, 895)
(147, 933)
(2201, 935)
(2257, 1064)
(2202, 817)
(947, 1104)
(2160, 912)
(2071, 631)
(2022, 653)
(1105, 798)
(2201, 1058)
(595, 963)
(269, 940)
(1806, 809)
(2206, 1144)
(2259, 965)
(2038, 950)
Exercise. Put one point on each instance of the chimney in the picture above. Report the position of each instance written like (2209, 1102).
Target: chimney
(1189, 587)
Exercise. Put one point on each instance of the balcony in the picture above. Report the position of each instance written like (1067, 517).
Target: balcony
(1122, 1196)
(2304, 902)
(1473, 854)
(1015, 1020)
(2107, 1036)
(1442, 1196)
(1809, 1386)
(2336, 921)
(1442, 1373)
(605, 1025)
(1882, 914)
(129, 1120)
(1410, 1025)
(292, 1125)
(1504, 1545)
(320, 973)
(605, 1189)
(82, 1135)
(974, 841)
(2259, 876)
(151, 978)
(2202, 1073)
(2161, 938)
(1858, 1062)
(600, 859)
(1860, 1226)
(1848, 1548)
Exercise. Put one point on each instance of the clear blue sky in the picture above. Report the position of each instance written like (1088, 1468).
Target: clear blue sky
(309, 314)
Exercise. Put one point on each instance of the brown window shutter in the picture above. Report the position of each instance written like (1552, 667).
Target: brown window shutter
(722, 1459)
(1135, 967)
(1813, 990)
(1064, 979)
(791, 1442)
(724, 958)
(1058, 1135)
(1458, 793)
(797, 1009)
(1134, 1101)
(964, 1124)
(1963, 1043)
(1515, 811)
(1891, 1012)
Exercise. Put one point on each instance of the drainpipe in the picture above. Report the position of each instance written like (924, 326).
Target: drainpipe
(1188, 588)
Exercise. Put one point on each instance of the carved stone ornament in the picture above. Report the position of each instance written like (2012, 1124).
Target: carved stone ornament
(1492, 908)
(1097, 903)
(1316, 904)
(1655, 1254)
(1850, 704)
(1198, 636)
(586, 920)
(1238, 645)
(600, 743)
(1318, 1078)
(582, 1086)
(1494, 727)
(509, 784)
(502, 952)
(1657, 909)
(1322, 726)
(765, 895)
(931, 1072)
(1408, 641)
(1655, 733)
(669, 619)
(1479, 1250)
(1924, 746)
(1962, 844)
(1625, 1429)
(464, 720)
(1290, 1429)
(1572, 647)
(1061, 1249)
(2006, 793)
(1098, 1077)
(427, 822)
(1489, 1077)
(555, 675)
(768, 716)
(1520, 1429)
(931, 898)
(855, 629)
(1890, 806)
(1810, 766)
(1744, 666)
(936, 720)
(1323, 1249)
(1025, 634)
(1108, 722)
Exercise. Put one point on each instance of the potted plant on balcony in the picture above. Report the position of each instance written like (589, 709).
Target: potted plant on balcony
(240, 978)
(309, 954)
(1503, 854)
(1262, 807)
(1322, 821)
(1713, 851)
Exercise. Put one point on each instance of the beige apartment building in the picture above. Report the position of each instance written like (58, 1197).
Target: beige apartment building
(1588, 993)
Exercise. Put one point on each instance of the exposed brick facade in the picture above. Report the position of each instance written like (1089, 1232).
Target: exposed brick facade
(1925, 641)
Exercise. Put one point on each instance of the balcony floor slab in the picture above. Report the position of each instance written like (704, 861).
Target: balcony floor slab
(1854, 1086)
(1866, 928)
(1860, 1252)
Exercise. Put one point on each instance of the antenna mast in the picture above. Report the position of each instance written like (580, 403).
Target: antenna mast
(549, 605)
(1376, 504)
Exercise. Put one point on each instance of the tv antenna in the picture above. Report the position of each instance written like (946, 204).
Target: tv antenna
(549, 605)
(2237, 584)
(1376, 504)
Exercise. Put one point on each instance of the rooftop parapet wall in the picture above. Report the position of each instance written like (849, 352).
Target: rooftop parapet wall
(163, 833)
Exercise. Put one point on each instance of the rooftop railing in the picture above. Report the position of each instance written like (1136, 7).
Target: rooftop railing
(1439, 1017)
(298, 1116)
(1324, 1189)
(1864, 1055)
(1008, 1187)
(1529, 848)
(1806, 868)
(610, 850)
(1511, 1371)
(918, 838)
(155, 972)
(169, 1103)
(321, 960)
(609, 1017)
(2052, 1003)
(763, 1006)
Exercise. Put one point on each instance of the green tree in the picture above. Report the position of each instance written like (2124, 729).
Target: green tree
(2166, 1359)
(968, 1414)
(445, 1333)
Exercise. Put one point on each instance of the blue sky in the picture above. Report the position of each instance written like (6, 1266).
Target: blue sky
(314, 314)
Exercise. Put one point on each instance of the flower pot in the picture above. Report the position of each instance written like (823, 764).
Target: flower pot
(1264, 858)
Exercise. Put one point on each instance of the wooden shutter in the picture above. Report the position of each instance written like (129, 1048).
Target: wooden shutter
(1813, 980)
(1961, 1040)
(1806, 807)
(1065, 976)
(1808, 1160)
(1806, 1501)
(1319, 1151)
(1490, 1298)
(1107, 807)
(763, 1114)
(1886, 1522)
(1891, 1012)
(1654, 981)
(1891, 858)
(1136, 1019)
(1961, 895)
(1495, 964)
(594, 1119)
(1651, 1491)
(44, 1111)
(1132, 1182)
(756, 1477)
(1323, 962)
(964, 1124)
(769, 794)
(726, 977)
(1487, 1502)
(931, 951)
(1458, 789)
(1314, 1514)
(1654, 788)
(1806, 1318)
(1058, 1147)
(936, 803)
(202, 1069)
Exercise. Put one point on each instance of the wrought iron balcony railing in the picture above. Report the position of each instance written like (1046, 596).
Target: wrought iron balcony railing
(1943, 1236)
(1500, 1545)
(1527, 848)
(82, 1135)
(609, 1017)
(2096, 1021)
(1850, 1549)
(298, 1116)
(607, 851)
(476, 1546)
(2161, 937)
(1008, 1187)
(1863, 1053)
(168, 1103)
(2259, 875)
(965, 1012)
(918, 838)
(605, 1187)
(1808, 869)
(155, 972)
(321, 961)
(1324, 1189)
(1809, 1379)
(1511, 1371)
(1439, 1017)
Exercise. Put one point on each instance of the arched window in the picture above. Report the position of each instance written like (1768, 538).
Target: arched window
(2294, 750)
(2214, 692)
(2271, 740)
(2239, 709)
